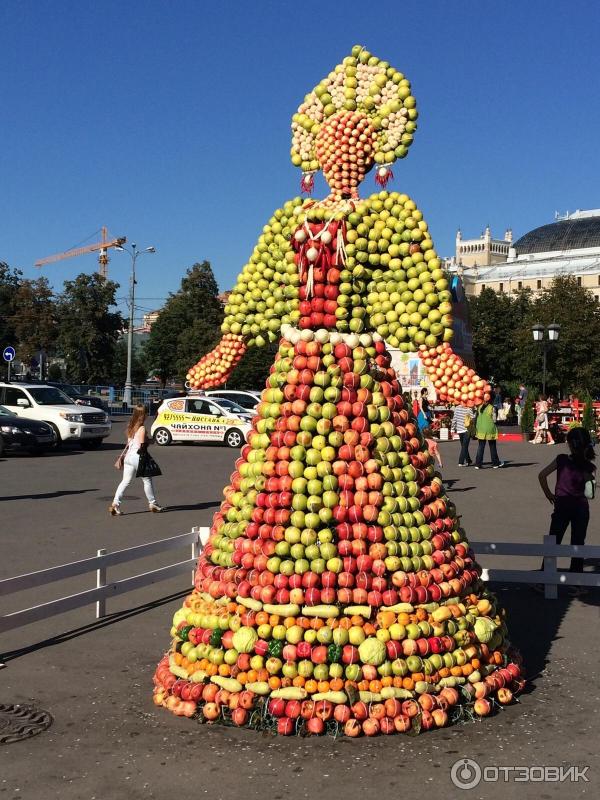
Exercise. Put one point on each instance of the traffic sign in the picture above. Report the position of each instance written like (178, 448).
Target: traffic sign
(9, 354)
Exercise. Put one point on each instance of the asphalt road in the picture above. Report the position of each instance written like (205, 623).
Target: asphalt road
(109, 741)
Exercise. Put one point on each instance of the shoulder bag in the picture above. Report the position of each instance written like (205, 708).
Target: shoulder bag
(147, 466)
(121, 459)
(590, 488)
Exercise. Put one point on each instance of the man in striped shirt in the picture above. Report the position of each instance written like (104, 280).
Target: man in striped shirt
(460, 424)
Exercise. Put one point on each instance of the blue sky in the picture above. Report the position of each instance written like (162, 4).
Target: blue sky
(169, 121)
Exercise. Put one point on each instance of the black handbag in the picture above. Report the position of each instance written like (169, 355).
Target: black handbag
(147, 466)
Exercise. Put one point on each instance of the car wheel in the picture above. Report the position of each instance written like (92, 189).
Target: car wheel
(233, 438)
(162, 437)
(91, 444)
(58, 442)
(1, 446)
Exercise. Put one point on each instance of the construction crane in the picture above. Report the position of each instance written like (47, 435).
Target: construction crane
(102, 246)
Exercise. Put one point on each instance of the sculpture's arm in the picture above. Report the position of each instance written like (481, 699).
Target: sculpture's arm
(265, 296)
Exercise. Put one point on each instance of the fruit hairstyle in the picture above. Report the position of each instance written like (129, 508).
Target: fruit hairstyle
(136, 420)
(580, 445)
(362, 92)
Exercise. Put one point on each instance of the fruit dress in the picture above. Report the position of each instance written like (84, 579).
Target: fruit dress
(337, 591)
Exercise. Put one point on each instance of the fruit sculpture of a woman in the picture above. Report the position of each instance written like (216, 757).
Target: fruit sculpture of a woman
(337, 590)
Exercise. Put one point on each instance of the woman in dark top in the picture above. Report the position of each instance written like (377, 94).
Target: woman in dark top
(571, 505)
(425, 417)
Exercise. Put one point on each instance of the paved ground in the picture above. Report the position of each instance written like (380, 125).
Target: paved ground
(109, 742)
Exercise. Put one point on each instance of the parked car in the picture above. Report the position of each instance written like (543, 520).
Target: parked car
(80, 399)
(234, 408)
(18, 434)
(70, 422)
(198, 419)
(246, 399)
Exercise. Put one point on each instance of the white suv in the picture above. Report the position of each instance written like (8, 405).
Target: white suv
(247, 399)
(71, 422)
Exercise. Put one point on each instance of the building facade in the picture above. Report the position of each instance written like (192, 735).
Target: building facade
(568, 246)
(482, 252)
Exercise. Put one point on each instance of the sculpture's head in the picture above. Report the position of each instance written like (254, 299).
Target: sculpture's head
(362, 114)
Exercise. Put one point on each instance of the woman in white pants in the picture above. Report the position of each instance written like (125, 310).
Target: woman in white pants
(136, 438)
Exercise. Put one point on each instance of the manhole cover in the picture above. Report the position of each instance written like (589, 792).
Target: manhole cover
(21, 722)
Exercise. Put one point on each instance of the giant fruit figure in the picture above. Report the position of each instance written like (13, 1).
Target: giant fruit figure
(337, 590)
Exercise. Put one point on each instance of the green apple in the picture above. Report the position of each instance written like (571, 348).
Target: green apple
(305, 668)
(356, 635)
(325, 635)
(340, 636)
(294, 634)
(397, 631)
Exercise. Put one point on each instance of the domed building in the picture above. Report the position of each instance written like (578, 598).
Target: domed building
(568, 246)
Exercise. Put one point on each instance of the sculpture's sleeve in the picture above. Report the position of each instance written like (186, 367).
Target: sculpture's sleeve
(265, 297)
(409, 301)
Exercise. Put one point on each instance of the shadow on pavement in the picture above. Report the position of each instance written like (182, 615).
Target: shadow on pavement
(47, 453)
(46, 495)
(450, 482)
(194, 506)
(168, 508)
(533, 623)
(109, 619)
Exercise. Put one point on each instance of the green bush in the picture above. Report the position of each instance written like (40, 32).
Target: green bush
(527, 416)
(588, 419)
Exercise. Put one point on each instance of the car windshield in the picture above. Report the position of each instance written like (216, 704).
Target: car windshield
(69, 391)
(50, 396)
(230, 405)
(4, 412)
(248, 401)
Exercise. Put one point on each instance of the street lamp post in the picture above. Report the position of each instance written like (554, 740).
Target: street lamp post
(135, 253)
(538, 336)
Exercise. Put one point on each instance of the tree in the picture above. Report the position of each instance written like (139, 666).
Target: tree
(188, 326)
(574, 361)
(35, 318)
(139, 369)
(88, 329)
(495, 319)
(9, 284)
(55, 372)
(253, 369)
(504, 347)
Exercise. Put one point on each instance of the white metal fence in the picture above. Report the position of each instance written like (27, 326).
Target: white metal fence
(549, 576)
(104, 588)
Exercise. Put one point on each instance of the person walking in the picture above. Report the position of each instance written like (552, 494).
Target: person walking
(575, 483)
(486, 431)
(497, 403)
(425, 417)
(129, 461)
(520, 402)
(542, 432)
(415, 404)
(461, 422)
(432, 446)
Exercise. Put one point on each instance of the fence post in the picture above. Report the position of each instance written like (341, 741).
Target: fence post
(195, 550)
(550, 589)
(101, 581)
